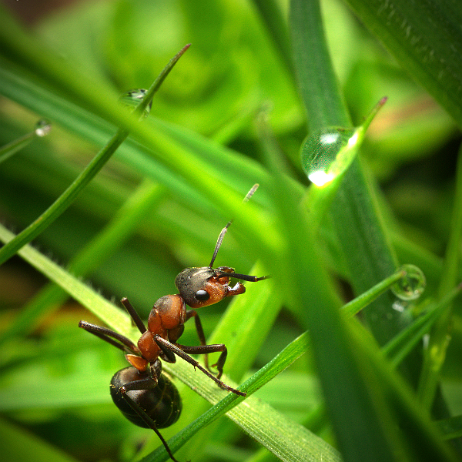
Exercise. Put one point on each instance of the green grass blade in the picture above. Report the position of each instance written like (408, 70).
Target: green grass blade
(317, 81)
(422, 441)
(13, 147)
(167, 151)
(284, 438)
(25, 52)
(97, 163)
(356, 401)
(99, 248)
(361, 405)
(270, 12)
(435, 354)
(355, 214)
(360, 302)
(113, 317)
(426, 40)
(252, 316)
(65, 200)
(400, 346)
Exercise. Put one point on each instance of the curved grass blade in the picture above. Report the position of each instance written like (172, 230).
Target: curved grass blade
(286, 439)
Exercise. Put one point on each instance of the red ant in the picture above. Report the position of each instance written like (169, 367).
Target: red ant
(143, 394)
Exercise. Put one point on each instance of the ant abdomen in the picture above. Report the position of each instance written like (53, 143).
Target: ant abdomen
(161, 402)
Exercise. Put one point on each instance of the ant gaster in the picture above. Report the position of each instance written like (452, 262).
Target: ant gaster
(143, 394)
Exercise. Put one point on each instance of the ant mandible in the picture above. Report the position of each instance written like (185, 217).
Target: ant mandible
(143, 394)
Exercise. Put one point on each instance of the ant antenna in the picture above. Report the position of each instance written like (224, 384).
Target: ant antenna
(243, 277)
(225, 229)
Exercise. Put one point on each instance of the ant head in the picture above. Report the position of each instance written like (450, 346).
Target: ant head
(201, 286)
(205, 286)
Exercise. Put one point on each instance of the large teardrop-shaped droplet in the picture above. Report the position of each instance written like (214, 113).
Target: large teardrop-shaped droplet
(133, 97)
(327, 152)
(411, 285)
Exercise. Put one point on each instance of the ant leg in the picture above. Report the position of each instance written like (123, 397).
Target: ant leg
(135, 316)
(205, 349)
(200, 334)
(151, 424)
(165, 345)
(110, 336)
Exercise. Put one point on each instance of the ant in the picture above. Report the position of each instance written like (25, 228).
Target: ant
(143, 394)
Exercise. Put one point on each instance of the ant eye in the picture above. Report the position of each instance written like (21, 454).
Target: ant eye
(202, 295)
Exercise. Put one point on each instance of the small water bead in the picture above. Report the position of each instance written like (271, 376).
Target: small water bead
(327, 153)
(399, 305)
(411, 285)
(133, 97)
(42, 127)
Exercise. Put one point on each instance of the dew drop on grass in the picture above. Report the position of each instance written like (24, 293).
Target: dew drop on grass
(324, 154)
(411, 285)
(42, 127)
(133, 97)
(328, 152)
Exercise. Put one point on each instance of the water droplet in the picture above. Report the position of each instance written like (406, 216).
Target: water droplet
(399, 305)
(328, 152)
(133, 97)
(426, 341)
(42, 127)
(411, 285)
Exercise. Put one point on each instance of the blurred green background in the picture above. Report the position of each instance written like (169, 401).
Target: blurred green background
(54, 379)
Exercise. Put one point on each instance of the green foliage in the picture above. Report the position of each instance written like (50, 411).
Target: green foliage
(229, 115)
